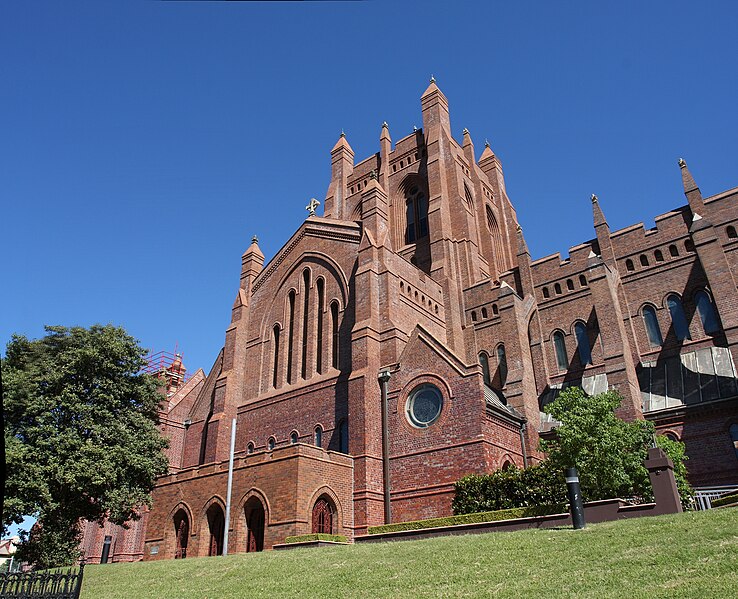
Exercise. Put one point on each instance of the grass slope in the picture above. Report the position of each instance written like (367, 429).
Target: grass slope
(687, 555)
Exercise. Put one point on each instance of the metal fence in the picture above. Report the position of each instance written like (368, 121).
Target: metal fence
(62, 584)
(704, 496)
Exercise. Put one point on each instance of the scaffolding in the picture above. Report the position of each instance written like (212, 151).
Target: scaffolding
(167, 366)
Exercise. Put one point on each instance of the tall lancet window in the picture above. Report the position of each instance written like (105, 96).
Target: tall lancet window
(653, 330)
(320, 284)
(708, 316)
(583, 347)
(275, 341)
(678, 318)
(562, 360)
(416, 206)
(305, 321)
(484, 362)
(502, 364)
(290, 335)
(334, 334)
(494, 231)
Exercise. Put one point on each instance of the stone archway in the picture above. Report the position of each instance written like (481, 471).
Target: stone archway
(255, 517)
(182, 533)
(216, 525)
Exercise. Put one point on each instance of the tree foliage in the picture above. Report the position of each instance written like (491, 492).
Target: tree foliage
(80, 433)
(608, 452)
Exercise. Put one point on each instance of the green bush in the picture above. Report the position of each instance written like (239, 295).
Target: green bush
(317, 536)
(480, 517)
(509, 488)
(725, 500)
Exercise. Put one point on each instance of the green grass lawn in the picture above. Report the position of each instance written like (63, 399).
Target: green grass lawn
(687, 555)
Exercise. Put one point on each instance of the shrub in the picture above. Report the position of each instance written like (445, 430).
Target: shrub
(477, 518)
(509, 488)
(316, 536)
(725, 500)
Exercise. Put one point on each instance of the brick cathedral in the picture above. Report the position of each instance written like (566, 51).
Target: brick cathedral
(406, 338)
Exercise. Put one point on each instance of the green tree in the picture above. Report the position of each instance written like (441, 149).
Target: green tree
(80, 434)
(607, 451)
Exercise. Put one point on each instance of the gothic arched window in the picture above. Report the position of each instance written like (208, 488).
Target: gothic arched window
(583, 348)
(319, 349)
(653, 330)
(275, 366)
(706, 309)
(334, 334)
(484, 362)
(501, 364)
(416, 206)
(290, 334)
(343, 440)
(678, 318)
(305, 321)
(323, 516)
(562, 361)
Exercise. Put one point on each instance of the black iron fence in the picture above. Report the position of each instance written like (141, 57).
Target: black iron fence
(45, 584)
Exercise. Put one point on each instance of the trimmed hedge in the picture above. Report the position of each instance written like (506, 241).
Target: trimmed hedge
(510, 488)
(318, 536)
(479, 517)
(725, 500)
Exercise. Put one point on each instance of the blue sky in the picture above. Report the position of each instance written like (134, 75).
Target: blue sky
(142, 144)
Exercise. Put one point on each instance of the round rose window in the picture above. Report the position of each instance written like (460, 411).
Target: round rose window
(424, 405)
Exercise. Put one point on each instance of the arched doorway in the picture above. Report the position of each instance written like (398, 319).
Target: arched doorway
(323, 515)
(254, 512)
(216, 524)
(182, 534)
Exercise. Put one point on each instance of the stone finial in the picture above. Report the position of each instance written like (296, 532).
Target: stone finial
(373, 175)
(414, 128)
(385, 125)
(486, 143)
(432, 79)
(343, 133)
(465, 131)
(594, 199)
(682, 163)
(312, 206)
(255, 239)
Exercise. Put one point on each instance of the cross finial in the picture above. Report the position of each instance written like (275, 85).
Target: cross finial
(312, 206)
(594, 199)
(255, 239)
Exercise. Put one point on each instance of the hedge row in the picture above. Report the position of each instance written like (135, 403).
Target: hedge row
(479, 517)
(725, 500)
(318, 536)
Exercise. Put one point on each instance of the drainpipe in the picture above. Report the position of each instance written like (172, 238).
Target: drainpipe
(522, 444)
(230, 487)
(384, 377)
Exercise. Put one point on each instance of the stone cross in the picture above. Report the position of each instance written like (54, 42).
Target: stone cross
(312, 206)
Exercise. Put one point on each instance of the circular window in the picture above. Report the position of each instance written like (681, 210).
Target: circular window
(424, 405)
